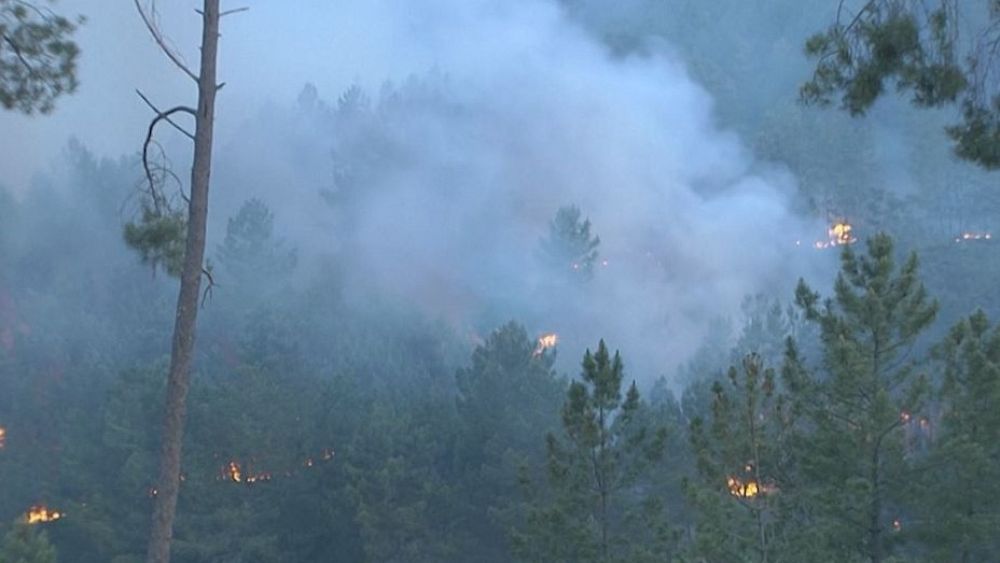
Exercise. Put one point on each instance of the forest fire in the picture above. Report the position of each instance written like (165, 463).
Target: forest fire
(233, 472)
(748, 489)
(41, 515)
(545, 342)
(236, 472)
(973, 235)
(839, 234)
(260, 477)
(3, 436)
(741, 489)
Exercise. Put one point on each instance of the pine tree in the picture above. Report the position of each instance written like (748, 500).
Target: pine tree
(597, 476)
(743, 463)
(37, 56)
(508, 399)
(26, 544)
(856, 404)
(960, 513)
(916, 48)
(570, 248)
(250, 251)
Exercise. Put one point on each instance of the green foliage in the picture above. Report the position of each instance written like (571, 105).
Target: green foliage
(405, 505)
(744, 465)
(159, 238)
(249, 251)
(595, 475)
(913, 46)
(26, 544)
(886, 41)
(959, 514)
(37, 56)
(855, 408)
(570, 249)
(508, 399)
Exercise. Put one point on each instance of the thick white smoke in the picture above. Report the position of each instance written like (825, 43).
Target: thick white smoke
(510, 112)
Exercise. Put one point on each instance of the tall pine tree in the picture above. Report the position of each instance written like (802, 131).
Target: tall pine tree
(596, 508)
(960, 514)
(857, 403)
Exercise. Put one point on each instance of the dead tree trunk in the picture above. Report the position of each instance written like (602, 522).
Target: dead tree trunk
(182, 349)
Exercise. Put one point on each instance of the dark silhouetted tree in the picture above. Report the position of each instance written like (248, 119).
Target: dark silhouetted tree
(37, 56)
(913, 46)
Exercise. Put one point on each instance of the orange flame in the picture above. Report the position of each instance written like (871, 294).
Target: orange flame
(234, 472)
(40, 514)
(838, 234)
(545, 342)
(749, 488)
(741, 489)
(3, 436)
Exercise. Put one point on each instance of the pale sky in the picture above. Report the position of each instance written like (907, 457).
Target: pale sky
(267, 53)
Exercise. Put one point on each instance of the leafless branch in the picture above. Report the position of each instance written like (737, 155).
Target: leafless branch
(158, 37)
(168, 120)
(208, 288)
(165, 115)
(234, 11)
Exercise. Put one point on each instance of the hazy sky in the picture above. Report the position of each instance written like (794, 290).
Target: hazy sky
(266, 53)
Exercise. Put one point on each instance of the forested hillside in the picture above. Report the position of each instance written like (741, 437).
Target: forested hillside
(603, 291)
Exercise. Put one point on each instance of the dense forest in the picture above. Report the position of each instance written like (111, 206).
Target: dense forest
(605, 290)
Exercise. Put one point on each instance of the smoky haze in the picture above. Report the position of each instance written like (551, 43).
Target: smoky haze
(423, 151)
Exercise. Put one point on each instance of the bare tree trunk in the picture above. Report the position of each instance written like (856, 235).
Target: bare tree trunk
(182, 349)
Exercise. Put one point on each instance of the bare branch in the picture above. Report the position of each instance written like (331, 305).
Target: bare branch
(170, 121)
(158, 37)
(149, 139)
(234, 11)
(208, 288)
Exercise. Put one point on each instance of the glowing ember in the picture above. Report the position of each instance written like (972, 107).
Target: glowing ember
(309, 462)
(904, 417)
(973, 235)
(897, 525)
(545, 342)
(328, 454)
(233, 472)
(41, 515)
(260, 477)
(3, 436)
